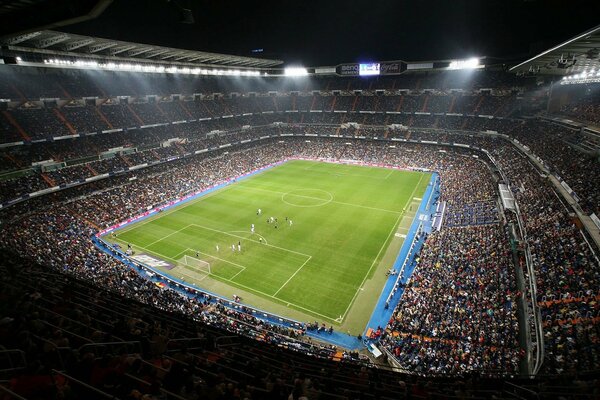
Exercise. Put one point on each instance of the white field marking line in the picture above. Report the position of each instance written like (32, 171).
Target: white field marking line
(325, 201)
(252, 240)
(263, 238)
(280, 299)
(316, 198)
(382, 246)
(193, 277)
(293, 275)
(217, 258)
(170, 234)
(233, 277)
(312, 165)
(351, 174)
(241, 285)
(135, 225)
(180, 253)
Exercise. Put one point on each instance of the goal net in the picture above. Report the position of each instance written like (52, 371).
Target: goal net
(199, 265)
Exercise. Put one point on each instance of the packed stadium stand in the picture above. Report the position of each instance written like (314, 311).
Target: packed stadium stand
(495, 290)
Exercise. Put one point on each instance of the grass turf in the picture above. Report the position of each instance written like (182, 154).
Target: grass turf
(344, 217)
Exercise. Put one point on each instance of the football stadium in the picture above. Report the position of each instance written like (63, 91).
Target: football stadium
(204, 201)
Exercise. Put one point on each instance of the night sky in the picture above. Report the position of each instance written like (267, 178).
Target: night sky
(329, 32)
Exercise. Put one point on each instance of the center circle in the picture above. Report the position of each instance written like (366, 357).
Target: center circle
(307, 197)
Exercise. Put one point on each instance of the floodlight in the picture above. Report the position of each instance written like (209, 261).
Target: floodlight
(295, 71)
(464, 64)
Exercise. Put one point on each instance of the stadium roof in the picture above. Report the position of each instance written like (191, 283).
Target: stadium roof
(578, 54)
(52, 43)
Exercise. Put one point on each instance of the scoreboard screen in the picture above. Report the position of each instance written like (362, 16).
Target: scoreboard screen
(368, 69)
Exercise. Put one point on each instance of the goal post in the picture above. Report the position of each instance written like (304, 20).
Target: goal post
(201, 265)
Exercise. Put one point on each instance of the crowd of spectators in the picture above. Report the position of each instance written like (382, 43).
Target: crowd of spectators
(458, 312)
(567, 271)
(586, 107)
(79, 341)
(40, 120)
(435, 321)
(463, 280)
(547, 140)
(579, 171)
(65, 227)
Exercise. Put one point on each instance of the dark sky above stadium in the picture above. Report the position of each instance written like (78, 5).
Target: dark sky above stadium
(328, 32)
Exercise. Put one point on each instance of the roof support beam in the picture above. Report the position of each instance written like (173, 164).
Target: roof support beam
(21, 38)
(118, 50)
(77, 44)
(167, 56)
(43, 43)
(137, 52)
(101, 46)
(156, 53)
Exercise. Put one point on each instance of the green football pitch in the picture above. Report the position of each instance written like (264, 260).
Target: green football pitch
(338, 229)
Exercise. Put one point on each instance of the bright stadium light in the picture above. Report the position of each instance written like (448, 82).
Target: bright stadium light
(464, 64)
(295, 71)
(171, 69)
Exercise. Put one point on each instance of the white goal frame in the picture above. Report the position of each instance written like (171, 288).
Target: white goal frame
(203, 266)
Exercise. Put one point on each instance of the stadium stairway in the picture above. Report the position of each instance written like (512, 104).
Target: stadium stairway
(452, 102)
(103, 117)
(64, 120)
(135, 115)
(185, 109)
(48, 180)
(478, 105)
(18, 127)
(91, 169)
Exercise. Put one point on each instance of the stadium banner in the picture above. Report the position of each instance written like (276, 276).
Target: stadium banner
(391, 68)
(348, 69)
(413, 66)
(151, 261)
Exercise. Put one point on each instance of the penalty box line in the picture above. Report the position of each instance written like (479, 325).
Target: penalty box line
(247, 287)
(174, 208)
(252, 240)
(265, 244)
(242, 268)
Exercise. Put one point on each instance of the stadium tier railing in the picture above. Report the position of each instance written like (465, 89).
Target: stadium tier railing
(12, 360)
(412, 252)
(84, 387)
(9, 394)
(533, 311)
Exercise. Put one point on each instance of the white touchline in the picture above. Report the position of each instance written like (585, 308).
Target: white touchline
(293, 275)
(382, 246)
(280, 299)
